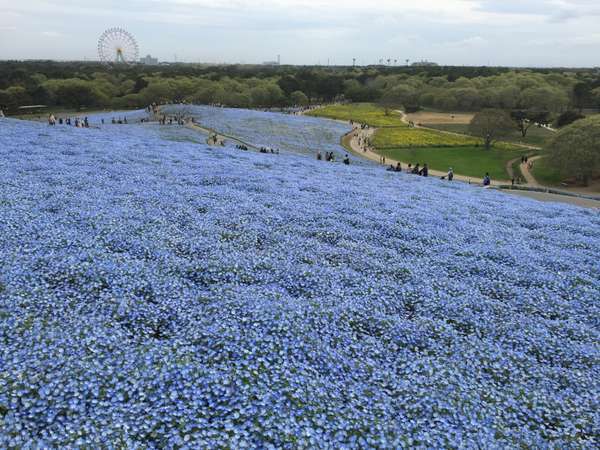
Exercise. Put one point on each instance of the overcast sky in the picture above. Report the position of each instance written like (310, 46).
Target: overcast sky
(455, 32)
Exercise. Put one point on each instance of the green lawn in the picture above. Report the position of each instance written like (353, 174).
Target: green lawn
(546, 174)
(468, 161)
(535, 136)
(362, 113)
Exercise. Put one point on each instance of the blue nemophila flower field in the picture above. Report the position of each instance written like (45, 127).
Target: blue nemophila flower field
(298, 134)
(160, 294)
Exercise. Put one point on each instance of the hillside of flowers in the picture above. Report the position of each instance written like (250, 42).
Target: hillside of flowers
(289, 133)
(164, 294)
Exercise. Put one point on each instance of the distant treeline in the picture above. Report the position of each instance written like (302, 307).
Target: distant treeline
(92, 85)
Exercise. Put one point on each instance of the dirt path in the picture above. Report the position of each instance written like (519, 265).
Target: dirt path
(221, 139)
(509, 169)
(529, 178)
(549, 197)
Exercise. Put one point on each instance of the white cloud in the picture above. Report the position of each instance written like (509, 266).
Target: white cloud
(52, 34)
(305, 31)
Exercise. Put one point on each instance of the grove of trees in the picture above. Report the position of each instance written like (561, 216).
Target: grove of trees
(540, 94)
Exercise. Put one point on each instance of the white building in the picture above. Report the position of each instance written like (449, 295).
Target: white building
(149, 60)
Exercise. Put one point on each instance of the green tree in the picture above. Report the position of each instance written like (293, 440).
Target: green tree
(544, 98)
(298, 98)
(289, 84)
(13, 97)
(567, 118)
(582, 95)
(575, 150)
(158, 91)
(596, 97)
(526, 119)
(491, 125)
(400, 96)
(356, 92)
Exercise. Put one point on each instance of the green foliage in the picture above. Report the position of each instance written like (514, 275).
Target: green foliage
(525, 119)
(362, 113)
(546, 173)
(575, 150)
(567, 118)
(400, 96)
(446, 88)
(13, 97)
(596, 97)
(536, 135)
(299, 98)
(491, 125)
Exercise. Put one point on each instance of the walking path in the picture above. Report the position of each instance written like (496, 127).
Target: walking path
(221, 138)
(529, 178)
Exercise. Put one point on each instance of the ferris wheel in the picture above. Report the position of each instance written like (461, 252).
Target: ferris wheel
(117, 45)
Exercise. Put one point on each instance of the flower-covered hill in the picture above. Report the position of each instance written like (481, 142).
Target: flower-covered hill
(164, 294)
(290, 133)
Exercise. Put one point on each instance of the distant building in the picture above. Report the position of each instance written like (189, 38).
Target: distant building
(273, 63)
(149, 60)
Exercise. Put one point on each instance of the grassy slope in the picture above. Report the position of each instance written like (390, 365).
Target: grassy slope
(469, 161)
(535, 136)
(545, 174)
(439, 150)
(362, 113)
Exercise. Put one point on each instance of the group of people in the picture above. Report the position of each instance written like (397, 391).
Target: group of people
(267, 150)
(241, 147)
(152, 109)
(77, 122)
(119, 121)
(330, 157)
(418, 170)
(424, 172)
(170, 120)
(525, 160)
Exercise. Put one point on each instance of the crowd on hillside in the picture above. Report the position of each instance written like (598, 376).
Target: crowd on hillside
(76, 122)
(330, 157)
(364, 142)
(424, 172)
